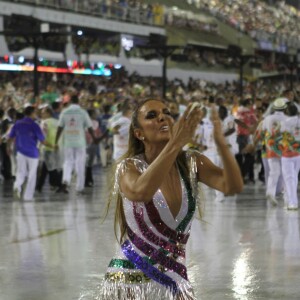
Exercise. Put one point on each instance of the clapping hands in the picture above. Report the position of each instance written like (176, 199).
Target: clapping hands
(183, 130)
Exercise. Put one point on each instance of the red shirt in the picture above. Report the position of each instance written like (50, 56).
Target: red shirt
(248, 117)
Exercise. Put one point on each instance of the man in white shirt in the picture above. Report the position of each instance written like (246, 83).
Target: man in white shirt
(74, 121)
(229, 132)
(271, 126)
(120, 129)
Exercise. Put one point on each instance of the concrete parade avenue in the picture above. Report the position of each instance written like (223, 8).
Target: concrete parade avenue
(57, 248)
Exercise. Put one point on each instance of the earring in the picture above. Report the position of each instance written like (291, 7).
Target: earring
(142, 138)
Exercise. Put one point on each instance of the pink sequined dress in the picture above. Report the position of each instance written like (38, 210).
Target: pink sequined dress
(151, 261)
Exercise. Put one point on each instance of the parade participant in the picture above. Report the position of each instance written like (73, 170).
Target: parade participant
(50, 158)
(290, 159)
(229, 132)
(120, 131)
(26, 134)
(74, 121)
(246, 124)
(91, 149)
(156, 190)
(271, 127)
(6, 124)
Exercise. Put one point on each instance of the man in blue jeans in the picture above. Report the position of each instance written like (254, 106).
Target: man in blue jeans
(26, 133)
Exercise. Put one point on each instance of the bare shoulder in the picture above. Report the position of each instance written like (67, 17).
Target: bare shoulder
(128, 170)
(204, 164)
(134, 165)
(200, 159)
(129, 173)
(206, 170)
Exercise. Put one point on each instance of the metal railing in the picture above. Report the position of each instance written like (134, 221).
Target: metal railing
(121, 12)
(153, 15)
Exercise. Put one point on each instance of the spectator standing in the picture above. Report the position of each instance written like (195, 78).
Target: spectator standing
(49, 96)
(6, 159)
(74, 121)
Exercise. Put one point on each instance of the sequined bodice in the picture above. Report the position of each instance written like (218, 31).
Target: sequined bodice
(155, 243)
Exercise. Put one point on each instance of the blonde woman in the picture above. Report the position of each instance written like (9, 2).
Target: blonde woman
(155, 185)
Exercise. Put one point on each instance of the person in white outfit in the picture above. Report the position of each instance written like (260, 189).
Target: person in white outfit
(120, 130)
(207, 139)
(205, 134)
(229, 132)
(290, 160)
(26, 133)
(271, 125)
(74, 121)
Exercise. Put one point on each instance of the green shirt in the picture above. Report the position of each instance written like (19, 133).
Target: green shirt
(49, 97)
(49, 127)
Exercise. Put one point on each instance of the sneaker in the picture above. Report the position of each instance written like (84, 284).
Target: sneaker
(82, 192)
(292, 207)
(63, 189)
(17, 193)
(39, 190)
(272, 200)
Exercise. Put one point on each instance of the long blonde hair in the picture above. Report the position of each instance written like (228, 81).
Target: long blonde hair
(135, 147)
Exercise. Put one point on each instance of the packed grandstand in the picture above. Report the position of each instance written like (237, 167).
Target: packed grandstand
(206, 32)
(219, 46)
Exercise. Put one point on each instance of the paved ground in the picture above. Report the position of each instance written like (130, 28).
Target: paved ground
(56, 248)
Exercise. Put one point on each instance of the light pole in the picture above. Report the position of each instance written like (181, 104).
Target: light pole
(164, 52)
(158, 43)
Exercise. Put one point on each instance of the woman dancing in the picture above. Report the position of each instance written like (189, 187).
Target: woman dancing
(156, 189)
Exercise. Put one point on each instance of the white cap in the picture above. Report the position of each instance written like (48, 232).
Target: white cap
(42, 106)
(27, 104)
(280, 103)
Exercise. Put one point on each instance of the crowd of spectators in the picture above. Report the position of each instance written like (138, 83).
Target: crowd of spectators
(105, 97)
(94, 44)
(94, 91)
(278, 24)
(135, 11)
(211, 59)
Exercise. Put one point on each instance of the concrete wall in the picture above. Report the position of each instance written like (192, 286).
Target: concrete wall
(68, 18)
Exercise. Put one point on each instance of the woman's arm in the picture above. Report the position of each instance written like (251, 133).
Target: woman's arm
(227, 179)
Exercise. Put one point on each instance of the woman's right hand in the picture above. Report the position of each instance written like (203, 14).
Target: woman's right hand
(183, 131)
